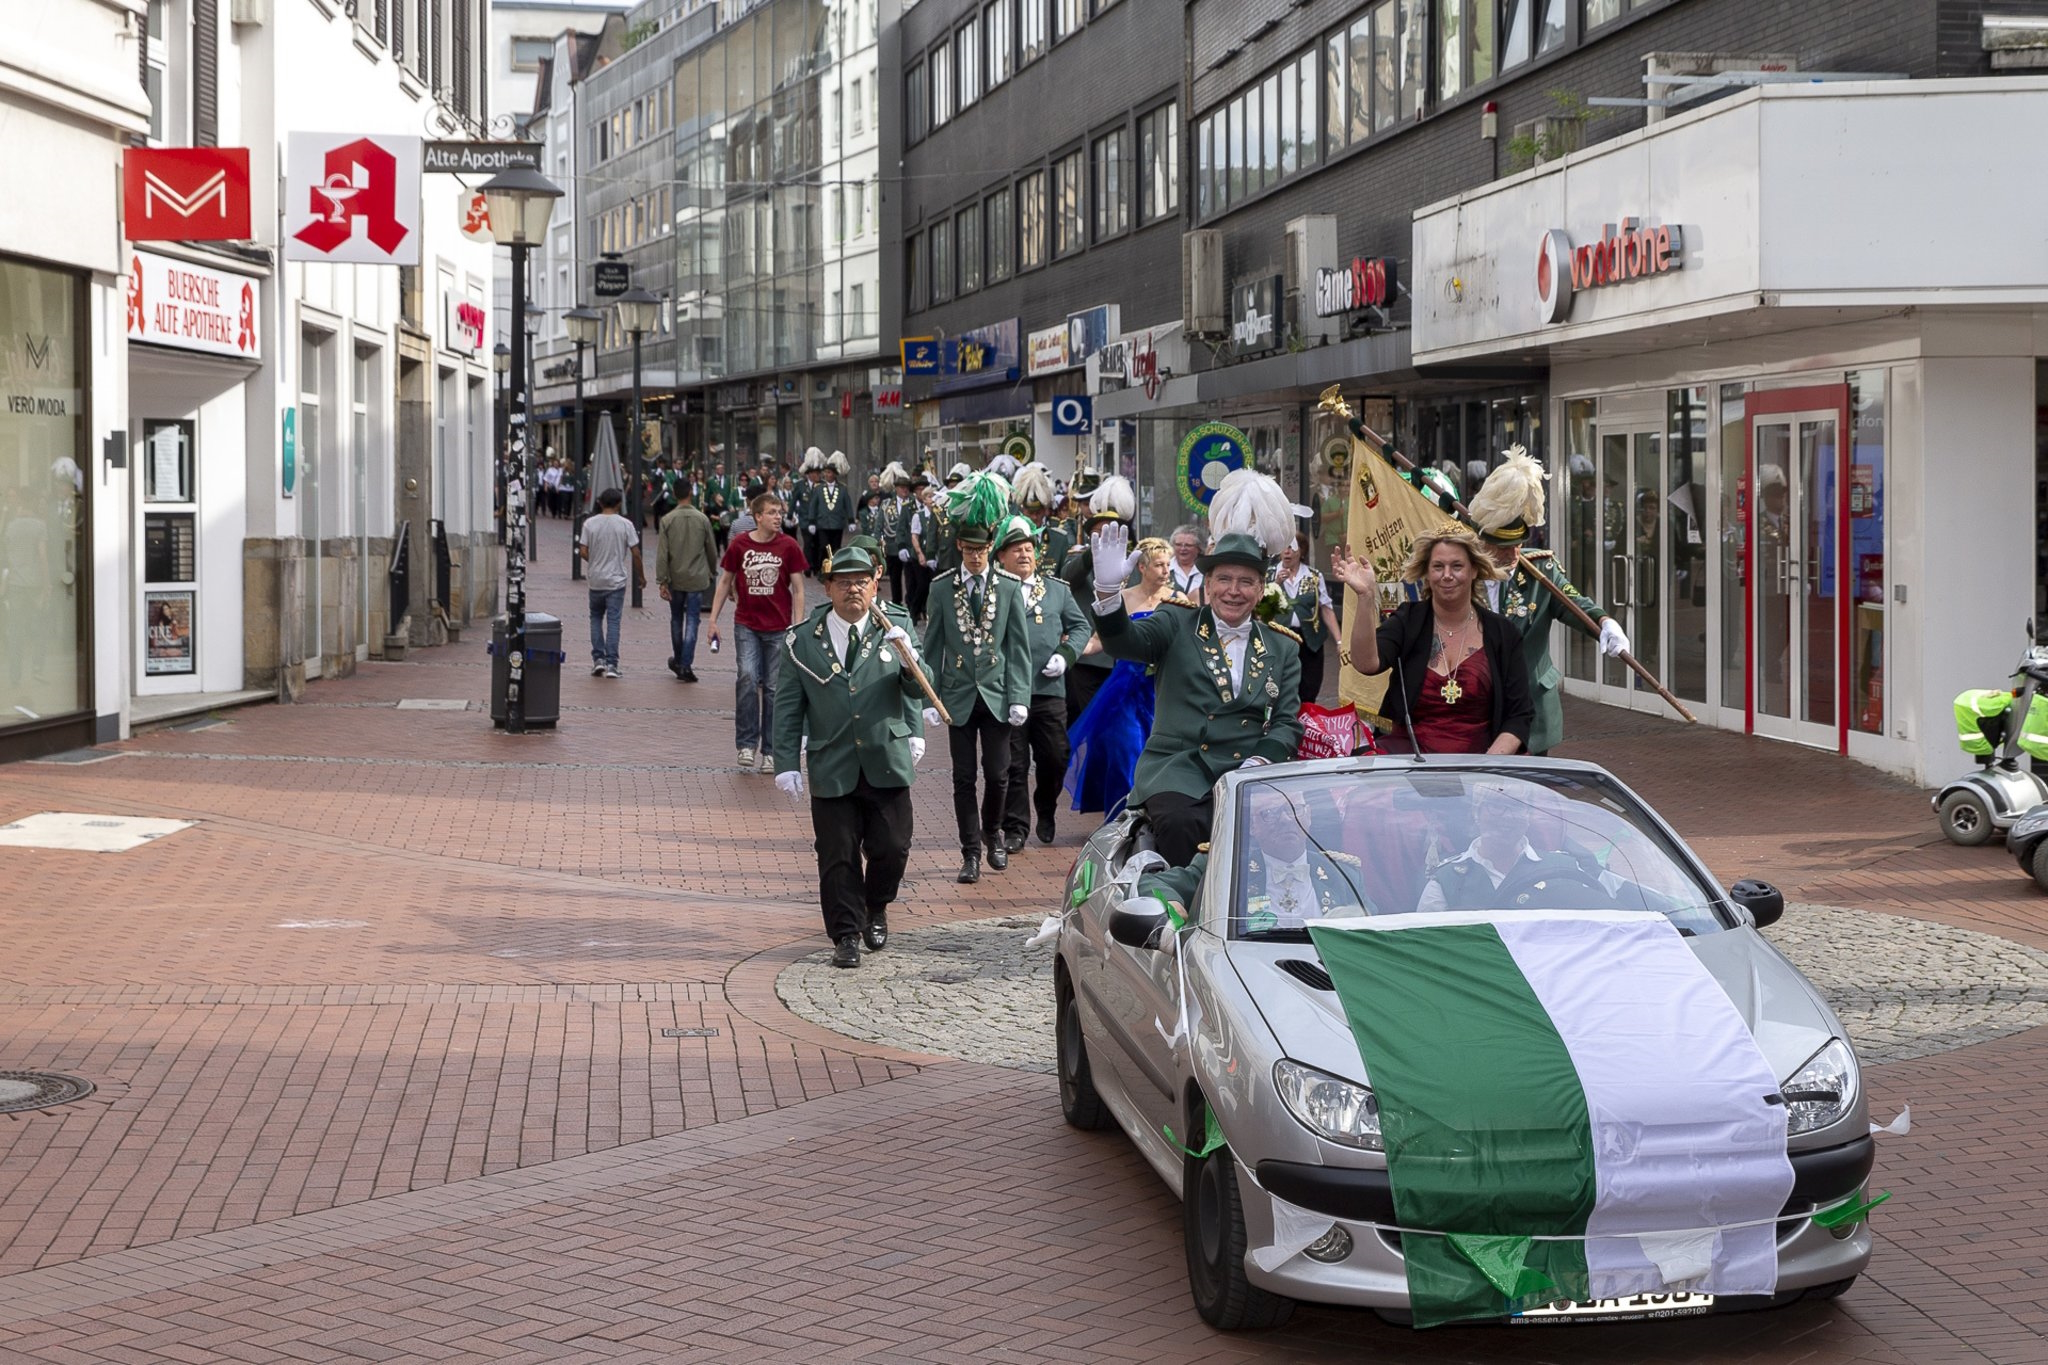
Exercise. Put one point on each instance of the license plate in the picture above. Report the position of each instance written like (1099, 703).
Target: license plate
(1635, 1306)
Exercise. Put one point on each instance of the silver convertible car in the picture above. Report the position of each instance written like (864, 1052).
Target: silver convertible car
(1195, 1012)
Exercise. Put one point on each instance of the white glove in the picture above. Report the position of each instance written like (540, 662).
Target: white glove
(1255, 762)
(898, 636)
(1055, 667)
(1019, 714)
(931, 718)
(931, 563)
(790, 784)
(1612, 641)
(812, 528)
(1114, 559)
(903, 556)
(916, 749)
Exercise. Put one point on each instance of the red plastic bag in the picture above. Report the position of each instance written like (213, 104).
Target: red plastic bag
(1327, 733)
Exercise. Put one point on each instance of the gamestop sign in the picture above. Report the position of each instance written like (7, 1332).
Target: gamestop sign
(1368, 282)
(1623, 254)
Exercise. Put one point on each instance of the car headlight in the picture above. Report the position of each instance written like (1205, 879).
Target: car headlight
(1329, 1107)
(1821, 1091)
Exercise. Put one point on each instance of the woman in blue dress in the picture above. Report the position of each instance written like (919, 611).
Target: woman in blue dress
(1110, 734)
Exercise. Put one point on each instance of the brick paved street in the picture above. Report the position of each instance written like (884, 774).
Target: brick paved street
(381, 1071)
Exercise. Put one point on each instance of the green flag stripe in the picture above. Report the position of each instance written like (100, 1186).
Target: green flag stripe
(1461, 1053)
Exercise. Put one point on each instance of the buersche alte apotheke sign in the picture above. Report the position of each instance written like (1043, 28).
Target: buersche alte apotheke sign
(1631, 251)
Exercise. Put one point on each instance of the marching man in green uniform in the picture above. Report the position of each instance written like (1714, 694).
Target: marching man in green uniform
(897, 505)
(845, 689)
(1034, 496)
(1059, 630)
(1111, 501)
(1228, 683)
(977, 647)
(832, 504)
(1508, 505)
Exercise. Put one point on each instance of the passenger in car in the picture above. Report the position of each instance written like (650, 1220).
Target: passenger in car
(1501, 870)
(1290, 876)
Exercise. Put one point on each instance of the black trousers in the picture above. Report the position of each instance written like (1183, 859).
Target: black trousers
(988, 732)
(868, 825)
(1083, 683)
(1042, 740)
(920, 578)
(1180, 824)
(811, 552)
(896, 568)
(1311, 675)
(828, 540)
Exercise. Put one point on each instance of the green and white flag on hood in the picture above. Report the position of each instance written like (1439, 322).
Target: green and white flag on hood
(1577, 1076)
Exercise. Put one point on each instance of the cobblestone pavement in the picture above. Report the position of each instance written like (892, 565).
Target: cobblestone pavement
(1903, 988)
(426, 1042)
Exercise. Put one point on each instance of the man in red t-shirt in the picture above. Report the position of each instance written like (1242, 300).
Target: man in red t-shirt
(762, 572)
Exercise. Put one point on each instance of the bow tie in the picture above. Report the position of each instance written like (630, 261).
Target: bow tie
(1243, 632)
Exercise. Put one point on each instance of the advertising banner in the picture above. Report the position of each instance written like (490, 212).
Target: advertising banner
(192, 307)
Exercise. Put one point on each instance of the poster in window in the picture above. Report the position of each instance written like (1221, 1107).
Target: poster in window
(170, 647)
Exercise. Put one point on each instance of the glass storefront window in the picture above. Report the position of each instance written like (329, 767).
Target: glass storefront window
(1685, 559)
(1734, 534)
(42, 498)
(1866, 551)
(1583, 532)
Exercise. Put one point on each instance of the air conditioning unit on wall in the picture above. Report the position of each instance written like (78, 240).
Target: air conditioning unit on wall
(1203, 298)
(1311, 243)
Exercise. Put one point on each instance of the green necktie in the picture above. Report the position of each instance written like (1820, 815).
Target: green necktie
(852, 645)
(974, 600)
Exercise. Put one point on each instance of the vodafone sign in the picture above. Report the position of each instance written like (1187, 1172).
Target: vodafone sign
(1633, 251)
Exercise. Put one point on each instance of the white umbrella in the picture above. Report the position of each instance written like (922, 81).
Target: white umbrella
(604, 466)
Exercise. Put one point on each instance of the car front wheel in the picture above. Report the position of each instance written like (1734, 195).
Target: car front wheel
(1213, 1219)
(1080, 1104)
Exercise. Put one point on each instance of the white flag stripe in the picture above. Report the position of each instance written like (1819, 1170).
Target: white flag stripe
(1674, 1086)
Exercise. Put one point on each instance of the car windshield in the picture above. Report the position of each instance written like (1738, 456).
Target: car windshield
(1338, 844)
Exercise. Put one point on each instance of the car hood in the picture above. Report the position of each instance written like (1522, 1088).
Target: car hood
(1786, 1016)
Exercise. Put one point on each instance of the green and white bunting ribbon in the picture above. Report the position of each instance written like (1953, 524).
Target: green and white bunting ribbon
(1562, 1091)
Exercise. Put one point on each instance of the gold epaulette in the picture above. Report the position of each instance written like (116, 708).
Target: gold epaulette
(1176, 599)
(1275, 625)
(1002, 572)
(1538, 554)
(1351, 858)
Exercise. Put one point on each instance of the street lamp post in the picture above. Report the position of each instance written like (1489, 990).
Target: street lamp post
(585, 323)
(520, 203)
(639, 313)
(501, 361)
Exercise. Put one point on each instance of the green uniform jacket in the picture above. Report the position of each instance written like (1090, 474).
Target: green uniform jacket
(1058, 540)
(1058, 625)
(896, 524)
(832, 506)
(1307, 607)
(860, 723)
(998, 669)
(1530, 608)
(1077, 571)
(721, 497)
(1199, 732)
(802, 501)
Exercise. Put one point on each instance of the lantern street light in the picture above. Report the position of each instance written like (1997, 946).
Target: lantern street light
(639, 313)
(585, 323)
(520, 203)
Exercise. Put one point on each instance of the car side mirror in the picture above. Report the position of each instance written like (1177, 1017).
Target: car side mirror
(1138, 922)
(1765, 903)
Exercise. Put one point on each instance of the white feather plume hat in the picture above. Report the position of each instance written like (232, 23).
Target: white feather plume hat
(1510, 503)
(814, 458)
(1033, 486)
(839, 464)
(893, 473)
(1251, 521)
(1113, 500)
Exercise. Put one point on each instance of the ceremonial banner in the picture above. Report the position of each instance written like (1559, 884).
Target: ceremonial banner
(1572, 1098)
(1387, 514)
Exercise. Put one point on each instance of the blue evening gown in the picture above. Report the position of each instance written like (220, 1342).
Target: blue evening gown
(1109, 735)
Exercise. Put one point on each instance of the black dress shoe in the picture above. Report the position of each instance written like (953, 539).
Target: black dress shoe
(847, 952)
(877, 931)
(1045, 829)
(970, 865)
(689, 675)
(675, 668)
(1013, 841)
(998, 856)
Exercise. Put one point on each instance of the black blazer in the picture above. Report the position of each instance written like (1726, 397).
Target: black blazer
(1407, 635)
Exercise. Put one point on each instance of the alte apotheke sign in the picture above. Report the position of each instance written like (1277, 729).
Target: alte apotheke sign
(1632, 251)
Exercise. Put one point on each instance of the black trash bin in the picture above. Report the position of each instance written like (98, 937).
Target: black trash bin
(543, 673)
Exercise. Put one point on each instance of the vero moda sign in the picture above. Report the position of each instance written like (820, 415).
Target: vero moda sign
(185, 194)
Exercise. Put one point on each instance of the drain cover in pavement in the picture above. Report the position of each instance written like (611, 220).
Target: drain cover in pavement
(433, 704)
(21, 1090)
(87, 833)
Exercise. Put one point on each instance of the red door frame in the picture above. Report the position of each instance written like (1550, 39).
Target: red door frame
(1765, 403)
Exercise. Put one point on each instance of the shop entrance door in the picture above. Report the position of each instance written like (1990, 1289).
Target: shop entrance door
(1795, 595)
(1631, 574)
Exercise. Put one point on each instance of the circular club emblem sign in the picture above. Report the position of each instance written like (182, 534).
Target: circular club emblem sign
(1554, 276)
(1018, 447)
(1208, 455)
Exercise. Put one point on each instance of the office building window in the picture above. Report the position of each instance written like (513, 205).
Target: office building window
(1068, 16)
(1068, 173)
(1031, 24)
(1159, 162)
(967, 58)
(1111, 212)
(1031, 214)
(995, 23)
(914, 266)
(1464, 45)
(859, 211)
(940, 65)
(857, 324)
(916, 108)
(1001, 235)
(967, 228)
(942, 261)
(856, 105)
(838, 214)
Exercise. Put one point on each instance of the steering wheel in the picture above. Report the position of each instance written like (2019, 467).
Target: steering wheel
(1524, 883)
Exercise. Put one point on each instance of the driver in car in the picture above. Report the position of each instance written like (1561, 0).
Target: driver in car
(1502, 871)
(1290, 878)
